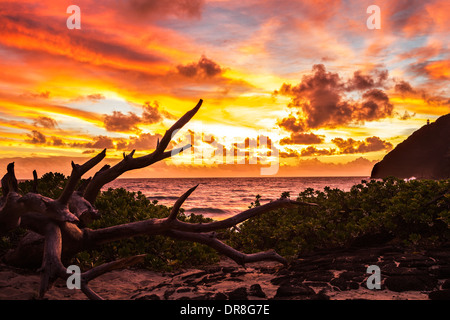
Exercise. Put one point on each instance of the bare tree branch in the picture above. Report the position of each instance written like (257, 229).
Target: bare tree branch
(210, 240)
(174, 212)
(52, 267)
(130, 163)
(77, 172)
(35, 182)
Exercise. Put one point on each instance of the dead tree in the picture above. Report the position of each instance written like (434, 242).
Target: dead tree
(59, 221)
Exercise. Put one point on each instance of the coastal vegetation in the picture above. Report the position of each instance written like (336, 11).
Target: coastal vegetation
(412, 213)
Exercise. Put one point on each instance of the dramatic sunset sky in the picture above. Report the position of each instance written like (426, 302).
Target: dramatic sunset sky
(332, 96)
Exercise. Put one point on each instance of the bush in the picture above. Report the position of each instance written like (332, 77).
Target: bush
(413, 212)
(408, 211)
(119, 206)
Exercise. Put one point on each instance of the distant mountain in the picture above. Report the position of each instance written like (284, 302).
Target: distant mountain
(424, 154)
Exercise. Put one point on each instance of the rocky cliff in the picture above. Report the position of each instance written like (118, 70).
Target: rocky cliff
(425, 154)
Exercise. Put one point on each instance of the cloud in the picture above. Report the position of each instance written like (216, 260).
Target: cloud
(145, 141)
(151, 113)
(302, 138)
(45, 122)
(289, 153)
(163, 8)
(313, 151)
(99, 142)
(375, 106)
(42, 94)
(321, 100)
(36, 137)
(362, 81)
(121, 122)
(204, 68)
(292, 124)
(57, 142)
(94, 97)
(405, 90)
(404, 87)
(406, 115)
(370, 144)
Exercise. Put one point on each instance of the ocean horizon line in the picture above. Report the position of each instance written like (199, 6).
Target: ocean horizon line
(246, 177)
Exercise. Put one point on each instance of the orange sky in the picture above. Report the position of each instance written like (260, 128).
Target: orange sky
(332, 96)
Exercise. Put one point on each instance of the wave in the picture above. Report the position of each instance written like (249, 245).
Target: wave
(207, 210)
(162, 198)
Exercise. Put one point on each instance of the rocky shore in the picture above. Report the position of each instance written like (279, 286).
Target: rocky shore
(338, 274)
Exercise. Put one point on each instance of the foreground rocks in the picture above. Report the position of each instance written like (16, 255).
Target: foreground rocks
(324, 275)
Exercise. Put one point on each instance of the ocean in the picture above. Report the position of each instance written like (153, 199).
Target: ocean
(219, 198)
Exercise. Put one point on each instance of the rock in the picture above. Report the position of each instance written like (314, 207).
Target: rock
(446, 284)
(353, 275)
(393, 270)
(195, 274)
(256, 291)
(168, 293)
(441, 272)
(228, 269)
(149, 297)
(424, 154)
(410, 283)
(183, 289)
(220, 296)
(238, 294)
(440, 295)
(281, 280)
(339, 283)
(211, 278)
(319, 275)
(320, 296)
(289, 290)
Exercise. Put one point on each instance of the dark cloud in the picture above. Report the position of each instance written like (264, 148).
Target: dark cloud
(45, 122)
(57, 142)
(99, 142)
(302, 138)
(151, 113)
(321, 100)
(313, 151)
(36, 137)
(145, 141)
(375, 106)
(289, 153)
(204, 68)
(404, 87)
(370, 144)
(292, 124)
(362, 81)
(121, 122)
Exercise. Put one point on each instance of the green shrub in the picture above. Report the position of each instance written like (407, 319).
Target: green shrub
(119, 206)
(405, 210)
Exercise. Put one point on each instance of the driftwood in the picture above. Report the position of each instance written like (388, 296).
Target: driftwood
(60, 222)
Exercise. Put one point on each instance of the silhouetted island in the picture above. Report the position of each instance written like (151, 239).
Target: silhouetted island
(424, 154)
